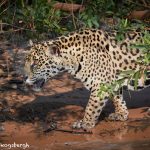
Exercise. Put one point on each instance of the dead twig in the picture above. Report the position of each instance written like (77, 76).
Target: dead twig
(68, 131)
(3, 2)
(17, 28)
(53, 127)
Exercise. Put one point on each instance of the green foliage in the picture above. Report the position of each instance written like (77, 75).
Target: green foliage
(133, 75)
(125, 26)
(122, 28)
(144, 60)
(89, 20)
(94, 10)
(127, 76)
(40, 16)
(145, 48)
(110, 89)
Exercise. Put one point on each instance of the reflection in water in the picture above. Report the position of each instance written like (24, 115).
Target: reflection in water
(137, 145)
(130, 135)
(138, 125)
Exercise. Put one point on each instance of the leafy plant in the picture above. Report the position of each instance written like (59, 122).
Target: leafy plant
(127, 76)
(110, 89)
(39, 17)
(94, 11)
(145, 48)
(122, 28)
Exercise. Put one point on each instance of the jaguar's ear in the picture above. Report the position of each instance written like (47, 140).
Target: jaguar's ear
(54, 50)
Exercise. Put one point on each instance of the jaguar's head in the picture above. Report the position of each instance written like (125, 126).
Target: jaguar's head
(41, 63)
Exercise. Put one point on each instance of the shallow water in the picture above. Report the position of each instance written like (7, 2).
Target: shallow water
(133, 134)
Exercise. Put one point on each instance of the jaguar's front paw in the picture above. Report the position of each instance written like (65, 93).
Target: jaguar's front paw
(118, 117)
(77, 124)
(83, 125)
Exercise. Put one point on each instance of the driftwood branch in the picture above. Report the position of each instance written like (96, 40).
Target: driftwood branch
(53, 127)
(68, 131)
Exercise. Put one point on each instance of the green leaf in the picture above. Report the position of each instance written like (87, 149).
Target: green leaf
(89, 22)
(95, 22)
(136, 77)
(125, 22)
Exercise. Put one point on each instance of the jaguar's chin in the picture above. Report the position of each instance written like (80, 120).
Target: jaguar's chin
(37, 85)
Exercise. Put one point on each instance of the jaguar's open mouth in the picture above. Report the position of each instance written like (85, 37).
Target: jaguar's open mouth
(37, 85)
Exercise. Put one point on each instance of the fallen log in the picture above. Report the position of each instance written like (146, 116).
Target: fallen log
(71, 7)
(140, 15)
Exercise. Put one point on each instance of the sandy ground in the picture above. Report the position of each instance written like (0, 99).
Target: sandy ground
(25, 115)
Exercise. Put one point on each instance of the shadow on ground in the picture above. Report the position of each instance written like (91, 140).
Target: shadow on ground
(43, 105)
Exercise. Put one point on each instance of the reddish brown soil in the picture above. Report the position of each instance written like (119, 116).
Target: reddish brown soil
(24, 116)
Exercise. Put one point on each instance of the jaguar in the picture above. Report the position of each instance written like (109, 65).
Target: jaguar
(93, 56)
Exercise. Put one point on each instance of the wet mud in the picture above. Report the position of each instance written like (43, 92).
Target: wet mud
(25, 115)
